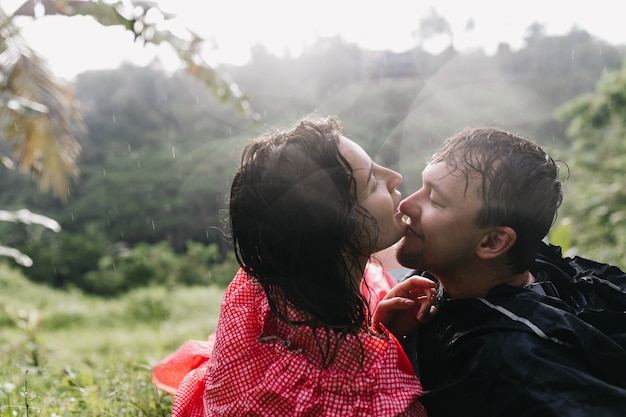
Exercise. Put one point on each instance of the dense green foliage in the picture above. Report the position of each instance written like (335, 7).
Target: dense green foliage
(85, 261)
(596, 206)
(66, 354)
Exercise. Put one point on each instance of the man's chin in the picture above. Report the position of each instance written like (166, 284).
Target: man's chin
(408, 258)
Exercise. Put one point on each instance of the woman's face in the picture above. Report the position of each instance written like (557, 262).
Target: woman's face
(377, 193)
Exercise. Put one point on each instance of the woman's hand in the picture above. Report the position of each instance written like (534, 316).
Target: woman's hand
(406, 305)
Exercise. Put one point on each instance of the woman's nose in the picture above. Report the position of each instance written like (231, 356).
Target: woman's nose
(395, 179)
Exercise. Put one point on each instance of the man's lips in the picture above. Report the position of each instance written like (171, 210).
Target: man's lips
(413, 232)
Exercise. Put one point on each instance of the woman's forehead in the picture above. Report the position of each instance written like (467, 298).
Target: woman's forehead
(354, 154)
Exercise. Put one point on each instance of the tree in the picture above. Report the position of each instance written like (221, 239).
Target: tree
(431, 27)
(37, 113)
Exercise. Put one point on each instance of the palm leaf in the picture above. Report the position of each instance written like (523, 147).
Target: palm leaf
(37, 114)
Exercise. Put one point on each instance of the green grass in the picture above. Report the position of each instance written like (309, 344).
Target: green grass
(65, 354)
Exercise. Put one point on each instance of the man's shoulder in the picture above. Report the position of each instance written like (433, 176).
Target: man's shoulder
(575, 267)
(579, 274)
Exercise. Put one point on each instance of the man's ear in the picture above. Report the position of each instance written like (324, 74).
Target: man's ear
(496, 242)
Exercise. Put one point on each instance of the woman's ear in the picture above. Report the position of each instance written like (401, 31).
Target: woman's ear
(496, 241)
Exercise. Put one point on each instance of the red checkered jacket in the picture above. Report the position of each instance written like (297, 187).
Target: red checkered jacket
(281, 374)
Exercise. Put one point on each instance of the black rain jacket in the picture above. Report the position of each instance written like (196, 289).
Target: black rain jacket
(557, 348)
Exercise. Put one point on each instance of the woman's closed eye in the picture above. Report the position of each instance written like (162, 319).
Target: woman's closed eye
(375, 182)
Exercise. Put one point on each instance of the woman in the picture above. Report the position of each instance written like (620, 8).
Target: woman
(308, 208)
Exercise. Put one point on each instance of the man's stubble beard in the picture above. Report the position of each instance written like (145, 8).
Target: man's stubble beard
(408, 259)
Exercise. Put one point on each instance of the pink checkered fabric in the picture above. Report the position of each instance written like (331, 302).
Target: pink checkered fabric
(281, 374)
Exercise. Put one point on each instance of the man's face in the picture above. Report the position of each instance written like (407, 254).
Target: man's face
(442, 234)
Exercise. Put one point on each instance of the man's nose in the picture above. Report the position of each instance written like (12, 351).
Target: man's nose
(409, 205)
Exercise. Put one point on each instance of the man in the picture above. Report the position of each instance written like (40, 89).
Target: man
(513, 335)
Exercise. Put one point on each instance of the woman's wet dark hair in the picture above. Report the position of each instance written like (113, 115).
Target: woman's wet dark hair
(295, 224)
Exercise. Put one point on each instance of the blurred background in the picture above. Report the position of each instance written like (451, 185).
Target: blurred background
(122, 125)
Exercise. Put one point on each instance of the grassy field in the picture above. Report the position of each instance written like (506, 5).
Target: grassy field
(65, 354)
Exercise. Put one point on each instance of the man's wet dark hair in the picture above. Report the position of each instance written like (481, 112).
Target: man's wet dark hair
(520, 185)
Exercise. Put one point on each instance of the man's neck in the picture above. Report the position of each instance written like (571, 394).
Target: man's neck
(467, 287)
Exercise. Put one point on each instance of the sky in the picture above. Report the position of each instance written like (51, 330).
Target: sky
(78, 44)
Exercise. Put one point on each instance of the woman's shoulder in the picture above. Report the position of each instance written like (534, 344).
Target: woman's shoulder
(243, 291)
